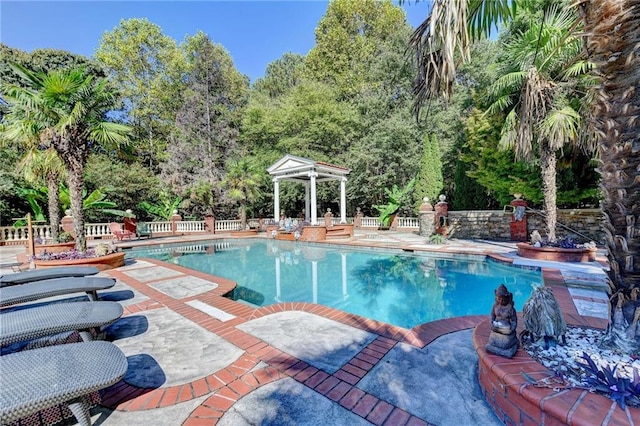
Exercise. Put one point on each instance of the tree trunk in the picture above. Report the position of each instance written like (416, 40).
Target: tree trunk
(548, 168)
(53, 200)
(612, 29)
(243, 216)
(75, 180)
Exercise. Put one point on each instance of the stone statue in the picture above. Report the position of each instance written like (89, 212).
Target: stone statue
(503, 340)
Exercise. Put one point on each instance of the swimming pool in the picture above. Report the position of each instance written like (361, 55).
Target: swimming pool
(395, 287)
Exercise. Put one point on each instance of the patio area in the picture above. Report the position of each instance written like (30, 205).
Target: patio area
(198, 358)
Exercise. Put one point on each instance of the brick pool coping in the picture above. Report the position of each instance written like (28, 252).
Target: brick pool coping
(517, 402)
(512, 399)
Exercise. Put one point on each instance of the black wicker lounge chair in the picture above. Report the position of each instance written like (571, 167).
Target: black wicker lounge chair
(76, 369)
(15, 294)
(40, 321)
(47, 274)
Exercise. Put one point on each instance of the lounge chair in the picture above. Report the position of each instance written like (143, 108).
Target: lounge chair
(47, 274)
(41, 378)
(120, 233)
(59, 286)
(143, 230)
(40, 321)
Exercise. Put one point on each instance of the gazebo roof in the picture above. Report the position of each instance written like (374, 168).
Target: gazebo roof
(291, 167)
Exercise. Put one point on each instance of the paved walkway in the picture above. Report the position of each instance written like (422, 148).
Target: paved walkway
(198, 358)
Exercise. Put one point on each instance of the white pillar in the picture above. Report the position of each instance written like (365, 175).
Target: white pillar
(314, 206)
(307, 206)
(343, 200)
(276, 200)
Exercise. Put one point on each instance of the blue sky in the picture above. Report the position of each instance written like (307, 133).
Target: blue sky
(254, 32)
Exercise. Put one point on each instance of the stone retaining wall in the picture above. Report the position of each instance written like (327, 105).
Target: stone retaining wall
(494, 224)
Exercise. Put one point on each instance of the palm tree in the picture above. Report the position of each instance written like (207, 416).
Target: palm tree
(243, 181)
(611, 34)
(65, 110)
(45, 165)
(537, 92)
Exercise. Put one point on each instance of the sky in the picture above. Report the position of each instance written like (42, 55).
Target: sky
(254, 32)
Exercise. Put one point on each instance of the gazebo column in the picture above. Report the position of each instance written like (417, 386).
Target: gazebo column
(343, 200)
(307, 203)
(276, 200)
(314, 205)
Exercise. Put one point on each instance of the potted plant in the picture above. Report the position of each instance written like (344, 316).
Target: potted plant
(564, 250)
(103, 256)
(396, 198)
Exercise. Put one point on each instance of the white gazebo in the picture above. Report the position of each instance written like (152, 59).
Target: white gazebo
(309, 173)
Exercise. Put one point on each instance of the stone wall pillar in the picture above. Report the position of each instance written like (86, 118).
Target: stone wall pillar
(357, 220)
(442, 216)
(427, 219)
(327, 218)
(210, 224)
(175, 218)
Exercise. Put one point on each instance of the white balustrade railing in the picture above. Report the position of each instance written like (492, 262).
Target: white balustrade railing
(100, 230)
(21, 233)
(370, 222)
(97, 230)
(336, 220)
(159, 227)
(190, 226)
(408, 222)
(228, 225)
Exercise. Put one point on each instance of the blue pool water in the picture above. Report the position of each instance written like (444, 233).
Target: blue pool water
(397, 288)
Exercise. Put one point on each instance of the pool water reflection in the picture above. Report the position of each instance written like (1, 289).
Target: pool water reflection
(397, 288)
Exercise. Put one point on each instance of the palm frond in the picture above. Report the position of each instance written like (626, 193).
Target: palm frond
(450, 28)
(508, 132)
(503, 103)
(560, 126)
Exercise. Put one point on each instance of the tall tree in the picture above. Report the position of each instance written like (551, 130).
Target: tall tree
(538, 92)
(66, 110)
(243, 182)
(348, 41)
(207, 122)
(429, 180)
(45, 166)
(281, 75)
(611, 31)
(146, 66)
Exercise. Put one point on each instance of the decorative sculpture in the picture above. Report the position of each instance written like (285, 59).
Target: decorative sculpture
(542, 318)
(503, 340)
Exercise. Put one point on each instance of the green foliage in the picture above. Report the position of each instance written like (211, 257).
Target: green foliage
(33, 198)
(396, 197)
(281, 75)
(123, 183)
(207, 124)
(146, 66)
(468, 194)
(496, 169)
(348, 39)
(66, 109)
(429, 179)
(164, 209)
(243, 182)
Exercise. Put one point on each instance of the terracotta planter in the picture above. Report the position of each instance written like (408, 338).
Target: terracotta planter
(54, 247)
(557, 254)
(109, 261)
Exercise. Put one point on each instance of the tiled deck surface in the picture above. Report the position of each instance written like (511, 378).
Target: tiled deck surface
(197, 358)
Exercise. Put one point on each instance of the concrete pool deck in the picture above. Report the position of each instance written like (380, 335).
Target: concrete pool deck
(198, 358)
